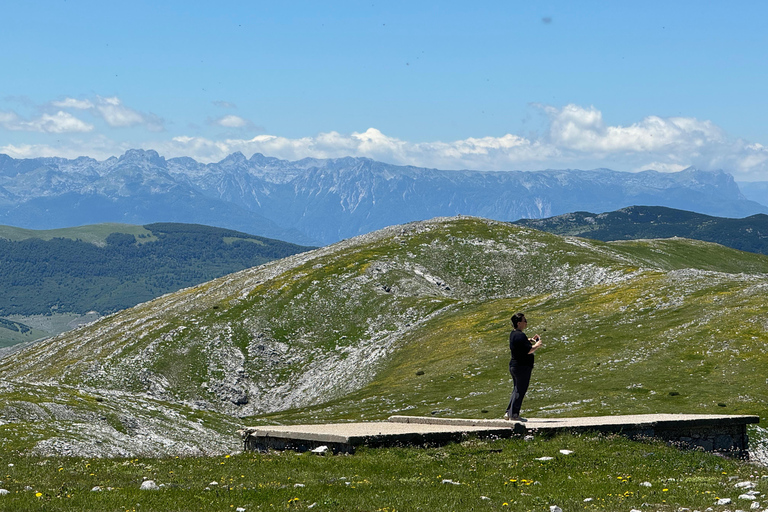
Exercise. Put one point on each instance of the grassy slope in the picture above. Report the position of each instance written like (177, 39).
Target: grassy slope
(635, 222)
(74, 270)
(630, 328)
(94, 233)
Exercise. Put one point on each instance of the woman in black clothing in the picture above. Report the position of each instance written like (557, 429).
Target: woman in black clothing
(521, 365)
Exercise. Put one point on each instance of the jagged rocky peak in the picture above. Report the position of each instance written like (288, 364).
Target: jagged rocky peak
(235, 158)
(260, 160)
(142, 157)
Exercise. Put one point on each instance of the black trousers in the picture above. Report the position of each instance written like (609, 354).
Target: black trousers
(522, 377)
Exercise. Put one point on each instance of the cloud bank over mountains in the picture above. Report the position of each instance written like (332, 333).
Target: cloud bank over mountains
(574, 137)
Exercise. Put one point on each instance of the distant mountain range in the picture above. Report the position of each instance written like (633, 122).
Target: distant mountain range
(635, 222)
(314, 201)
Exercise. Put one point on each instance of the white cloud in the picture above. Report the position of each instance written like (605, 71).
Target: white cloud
(60, 122)
(113, 112)
(576, 137)
(95, 146)
(73, 103)
(582, 129)
(232, 121)
(116, 114)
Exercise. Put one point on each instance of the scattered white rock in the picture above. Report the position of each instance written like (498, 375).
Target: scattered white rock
(555, 508)
(96, 489)
(299, 485)
(587, 500)
(646, 484)
(3, 492)
(10, 465)
(746, 485)
(485, 498)
(566, 452)
(635, 510)
(723, 501)
(747, 497)
(29, 488)
(239, 509)
(149, 485)
(213, 483)
(755, 505)
(320, 449)
(449, 481)
(545, 458)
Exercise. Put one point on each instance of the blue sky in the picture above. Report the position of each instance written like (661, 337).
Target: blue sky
(497, 85)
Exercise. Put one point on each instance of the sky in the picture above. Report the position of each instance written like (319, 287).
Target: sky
(487, 85)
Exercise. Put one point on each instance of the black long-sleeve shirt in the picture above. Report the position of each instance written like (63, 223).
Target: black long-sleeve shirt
(519, 346)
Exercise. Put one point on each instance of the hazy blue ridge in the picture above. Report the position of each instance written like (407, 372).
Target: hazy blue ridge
(63, 275)
(639, 222)
(321, 201)
(755, 190)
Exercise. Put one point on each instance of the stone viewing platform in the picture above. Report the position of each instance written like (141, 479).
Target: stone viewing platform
(725, 434)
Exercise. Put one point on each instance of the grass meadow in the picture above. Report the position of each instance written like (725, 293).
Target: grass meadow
(573, 472)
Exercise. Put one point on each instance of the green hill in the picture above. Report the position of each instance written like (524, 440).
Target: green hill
(412, 319)
(636, 222)
(109, 267)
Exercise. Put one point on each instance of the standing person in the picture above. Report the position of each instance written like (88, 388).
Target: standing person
(521, 364)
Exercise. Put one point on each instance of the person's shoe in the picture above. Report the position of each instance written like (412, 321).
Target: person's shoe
(506, 416)
(516, 417)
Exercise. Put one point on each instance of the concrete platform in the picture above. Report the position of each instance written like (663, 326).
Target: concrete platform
(725, 434)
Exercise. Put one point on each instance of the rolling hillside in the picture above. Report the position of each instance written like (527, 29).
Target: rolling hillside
(636, 222)
(51, 280)
(411, 318)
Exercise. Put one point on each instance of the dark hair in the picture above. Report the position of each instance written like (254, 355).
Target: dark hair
(516, 318)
